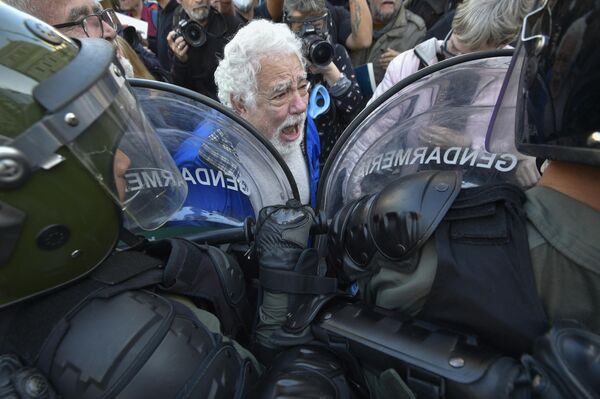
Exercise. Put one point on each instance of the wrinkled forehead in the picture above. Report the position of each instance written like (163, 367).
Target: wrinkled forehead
(77, 9)
(278, 73)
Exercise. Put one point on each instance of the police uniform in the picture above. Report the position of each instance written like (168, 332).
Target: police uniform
(78, 318)
(489, 266)
(565, 255)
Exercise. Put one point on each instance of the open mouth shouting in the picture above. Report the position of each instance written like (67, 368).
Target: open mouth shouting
(291, 132)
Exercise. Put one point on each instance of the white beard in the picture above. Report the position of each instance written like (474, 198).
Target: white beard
(291, 152)
(287, 147)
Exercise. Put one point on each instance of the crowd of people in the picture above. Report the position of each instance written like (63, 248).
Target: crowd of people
(502, 285)
(185, 40)
(358, 32)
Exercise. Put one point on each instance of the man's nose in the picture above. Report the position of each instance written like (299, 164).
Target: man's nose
(298, 103)
(109, 32)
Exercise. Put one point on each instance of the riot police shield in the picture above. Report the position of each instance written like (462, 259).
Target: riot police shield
(230, 170)
(397, 160)
(434, 120)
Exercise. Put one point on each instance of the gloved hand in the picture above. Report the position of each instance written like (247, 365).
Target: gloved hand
(564, 362)
(283, 228)
(289, 272)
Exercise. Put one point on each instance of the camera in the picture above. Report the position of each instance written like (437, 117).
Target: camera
(192, 32)
(316, 49)
(131, 36)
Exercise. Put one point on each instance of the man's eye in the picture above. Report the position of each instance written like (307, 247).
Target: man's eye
(278, 96)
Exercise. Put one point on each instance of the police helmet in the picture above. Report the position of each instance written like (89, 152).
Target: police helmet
(74, 146)
(558, 98)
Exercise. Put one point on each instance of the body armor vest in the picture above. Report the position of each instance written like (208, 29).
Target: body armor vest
(113, 335)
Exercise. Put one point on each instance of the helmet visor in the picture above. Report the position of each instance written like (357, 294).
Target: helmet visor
(500, 136)
(123, 152)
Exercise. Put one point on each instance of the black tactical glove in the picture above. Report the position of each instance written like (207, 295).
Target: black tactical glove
(283, 231)
(565, 363)
(289, 272)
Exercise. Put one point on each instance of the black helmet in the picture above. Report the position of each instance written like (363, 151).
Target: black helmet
(555, 79)
(76, 152)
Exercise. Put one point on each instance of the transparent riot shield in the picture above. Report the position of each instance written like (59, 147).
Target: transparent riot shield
(230, 170)
(435, 120)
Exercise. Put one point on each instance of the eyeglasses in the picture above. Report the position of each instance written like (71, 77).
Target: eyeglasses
(93, 25)
(445, 51)
(283, 97)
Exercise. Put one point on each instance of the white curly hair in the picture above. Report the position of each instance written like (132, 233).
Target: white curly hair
(235, 76)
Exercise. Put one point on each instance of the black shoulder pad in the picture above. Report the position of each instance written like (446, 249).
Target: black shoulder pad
(394, 223)
(406, 213)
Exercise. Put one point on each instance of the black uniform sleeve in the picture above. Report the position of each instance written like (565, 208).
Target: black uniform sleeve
(345, 105)
(349, 102)
(179, 72)
(343, 23)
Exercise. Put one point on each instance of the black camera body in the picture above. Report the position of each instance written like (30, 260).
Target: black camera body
(192, 32)
(316, 49)
(131, 36)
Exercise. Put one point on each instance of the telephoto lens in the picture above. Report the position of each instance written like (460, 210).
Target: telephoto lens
(193, 33)
(131, 36)
(318, 51)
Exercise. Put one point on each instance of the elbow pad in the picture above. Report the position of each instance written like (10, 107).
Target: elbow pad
(393, 223)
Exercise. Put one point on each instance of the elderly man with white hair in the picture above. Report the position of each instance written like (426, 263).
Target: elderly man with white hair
(262, 77)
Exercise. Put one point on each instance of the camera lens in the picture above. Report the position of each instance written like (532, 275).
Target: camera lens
(131, 36)
(318, 51)
(321, 53)
(193, 34)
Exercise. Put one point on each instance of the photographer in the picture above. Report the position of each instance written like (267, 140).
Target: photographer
(328, 64)
(145, 11)
(197, 40)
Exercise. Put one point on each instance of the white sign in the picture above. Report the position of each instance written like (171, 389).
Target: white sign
(138, 24)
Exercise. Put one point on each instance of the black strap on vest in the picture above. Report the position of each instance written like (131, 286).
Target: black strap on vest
(206, 273)
(197, 272)
(484, 281)
(294, 283)
(176, 266)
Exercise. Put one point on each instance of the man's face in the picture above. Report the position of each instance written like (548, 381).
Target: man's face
(280, 109)
(384, 10)
(76, 10)
(121, 163)
(196, 9)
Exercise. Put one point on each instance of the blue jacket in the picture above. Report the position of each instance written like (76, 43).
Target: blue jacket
(214, 194)
(313, 152)
(319, 102)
